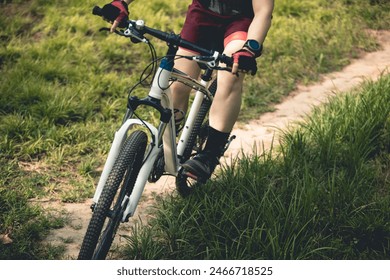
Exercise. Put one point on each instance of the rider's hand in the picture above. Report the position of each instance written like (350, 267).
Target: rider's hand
(245, 61)
(117, 13)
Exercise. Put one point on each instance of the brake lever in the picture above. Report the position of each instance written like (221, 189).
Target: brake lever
(109, 30)
(209, 61)
(104, 29)
(135, 36)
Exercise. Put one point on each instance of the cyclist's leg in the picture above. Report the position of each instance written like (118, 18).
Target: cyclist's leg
(227, 101)
(198, 28)
(226, 104)
(181, 92)
(223, 115)
(180, 97)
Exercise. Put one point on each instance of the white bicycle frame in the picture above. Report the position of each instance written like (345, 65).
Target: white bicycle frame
(165, 133)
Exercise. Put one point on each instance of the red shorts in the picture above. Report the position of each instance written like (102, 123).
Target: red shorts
(211, 30)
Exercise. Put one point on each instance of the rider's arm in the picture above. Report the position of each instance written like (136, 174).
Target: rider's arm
(258, 29)
(261, 22)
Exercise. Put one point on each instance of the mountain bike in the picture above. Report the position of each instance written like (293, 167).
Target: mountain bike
(141, 151)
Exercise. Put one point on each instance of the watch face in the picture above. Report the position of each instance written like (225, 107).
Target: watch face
(254, 45)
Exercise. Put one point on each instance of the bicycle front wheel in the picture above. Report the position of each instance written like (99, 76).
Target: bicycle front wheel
(108, 211)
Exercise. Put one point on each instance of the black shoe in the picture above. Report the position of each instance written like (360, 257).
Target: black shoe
(201, 166)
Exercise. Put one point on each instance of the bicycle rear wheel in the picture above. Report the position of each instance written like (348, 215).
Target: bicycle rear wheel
(108, 211)
(184, 183)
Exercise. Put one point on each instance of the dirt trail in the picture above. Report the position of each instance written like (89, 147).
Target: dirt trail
(258, 132)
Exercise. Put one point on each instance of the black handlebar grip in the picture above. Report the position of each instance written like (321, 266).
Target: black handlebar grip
(97, 11)
(228, 60)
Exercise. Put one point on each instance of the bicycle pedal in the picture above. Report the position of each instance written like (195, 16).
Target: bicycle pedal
(192, 176)
(199, 180)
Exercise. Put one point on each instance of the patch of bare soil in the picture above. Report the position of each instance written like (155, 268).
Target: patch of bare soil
(259, 133)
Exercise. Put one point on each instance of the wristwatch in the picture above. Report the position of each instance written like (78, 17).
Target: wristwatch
(254, 47)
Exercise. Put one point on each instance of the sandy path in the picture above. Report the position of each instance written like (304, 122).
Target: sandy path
(258, 132)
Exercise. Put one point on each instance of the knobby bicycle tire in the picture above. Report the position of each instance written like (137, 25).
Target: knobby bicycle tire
(194, 141)
(197, 138)
(109, 209)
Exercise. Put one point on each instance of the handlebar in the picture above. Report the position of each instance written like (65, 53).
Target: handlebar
(137, 29)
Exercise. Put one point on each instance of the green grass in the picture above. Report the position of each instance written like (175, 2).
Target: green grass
(24, 223)
(63, 85)
(324, 193)
(308, 38)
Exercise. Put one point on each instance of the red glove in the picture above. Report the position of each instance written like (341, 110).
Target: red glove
(116, 11)
(244, 60)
